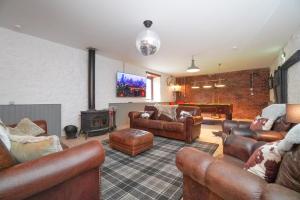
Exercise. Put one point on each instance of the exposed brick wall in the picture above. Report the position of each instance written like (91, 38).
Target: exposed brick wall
(236, 92)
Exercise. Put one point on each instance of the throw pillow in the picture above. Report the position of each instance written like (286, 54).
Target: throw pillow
(29, 128)
(168, 110)
(261, 123)
(291, 138)
(4, 132)
(274, 111)
(185, 114)
(146, 114)
(26, 148)
(6, 159)
(258, 123)
(265, 162)
(152, 108)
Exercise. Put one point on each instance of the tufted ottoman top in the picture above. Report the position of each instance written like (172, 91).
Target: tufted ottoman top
(131, 137)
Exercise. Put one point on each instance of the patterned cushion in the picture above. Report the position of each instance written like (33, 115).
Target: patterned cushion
(146, 114)
(258, 124)
(265, 162)
(183, 115)
(261, 123)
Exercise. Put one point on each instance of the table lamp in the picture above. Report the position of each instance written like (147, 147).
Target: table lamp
(293, 113)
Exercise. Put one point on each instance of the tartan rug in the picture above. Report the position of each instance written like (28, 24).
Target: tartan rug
(150, 175)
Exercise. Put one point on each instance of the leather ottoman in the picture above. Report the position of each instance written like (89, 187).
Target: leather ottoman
(131, 141)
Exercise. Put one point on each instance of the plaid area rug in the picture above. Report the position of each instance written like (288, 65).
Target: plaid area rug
(147, 176)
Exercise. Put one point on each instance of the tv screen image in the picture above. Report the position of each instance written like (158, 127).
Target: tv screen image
(129, 85)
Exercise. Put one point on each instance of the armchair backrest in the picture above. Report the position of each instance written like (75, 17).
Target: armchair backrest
(289, 171)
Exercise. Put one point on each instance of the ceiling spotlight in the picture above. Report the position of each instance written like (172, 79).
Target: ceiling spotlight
(147, 42)
(193, 67)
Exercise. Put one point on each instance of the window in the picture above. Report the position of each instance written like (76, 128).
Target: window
(153, 87)
(149, 88)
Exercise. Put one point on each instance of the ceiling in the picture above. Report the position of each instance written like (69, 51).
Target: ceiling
(208, 29)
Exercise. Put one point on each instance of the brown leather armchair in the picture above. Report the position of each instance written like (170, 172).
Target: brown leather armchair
(187, 130)
(70, 174)
(242, 128)
(210, 178)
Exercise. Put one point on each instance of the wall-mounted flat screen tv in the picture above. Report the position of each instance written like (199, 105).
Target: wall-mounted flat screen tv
(129, 85)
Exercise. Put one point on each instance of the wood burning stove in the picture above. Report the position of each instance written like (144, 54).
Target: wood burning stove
(94, 122)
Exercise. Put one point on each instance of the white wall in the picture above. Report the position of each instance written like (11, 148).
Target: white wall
(294, 72)
(37, 71)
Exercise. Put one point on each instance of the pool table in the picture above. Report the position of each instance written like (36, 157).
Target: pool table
(218, 109)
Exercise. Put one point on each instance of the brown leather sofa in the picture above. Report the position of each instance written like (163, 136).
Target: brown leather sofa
(209, 178)
(242, 128)
(187, 130)
(69, 174)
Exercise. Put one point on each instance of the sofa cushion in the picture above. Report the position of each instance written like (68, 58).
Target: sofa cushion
(289, 171)
(6, 159)
(164, 117)
(146, 123)
(265, 162)
(173, 126)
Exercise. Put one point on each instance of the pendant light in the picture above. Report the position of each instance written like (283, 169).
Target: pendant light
(147, 42)
(220, 83)
(195, 86)
(207, 85)
(193, 67)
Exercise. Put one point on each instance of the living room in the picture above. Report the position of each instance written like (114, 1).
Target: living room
(149, 99)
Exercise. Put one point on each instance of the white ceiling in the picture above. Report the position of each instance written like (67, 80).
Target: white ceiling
(207, 29)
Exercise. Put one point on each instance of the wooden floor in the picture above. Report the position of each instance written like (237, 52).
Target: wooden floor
(205, 135)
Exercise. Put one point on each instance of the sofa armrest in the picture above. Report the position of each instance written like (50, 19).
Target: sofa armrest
(270, 136)
(29, 178)
(223, 179)
(134, 114)
(194, 120)
(192, 128)
(239, 147)
(228, 125)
